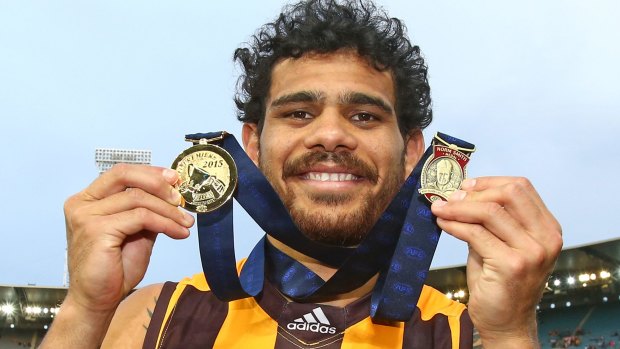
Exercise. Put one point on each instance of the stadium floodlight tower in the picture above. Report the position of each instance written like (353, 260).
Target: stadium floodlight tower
(108, 157)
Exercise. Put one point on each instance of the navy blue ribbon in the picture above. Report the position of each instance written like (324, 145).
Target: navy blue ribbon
(399, 247)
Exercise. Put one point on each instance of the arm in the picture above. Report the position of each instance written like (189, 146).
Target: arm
(111, 228)
(126, 327)
(514, 242)
(132, 319)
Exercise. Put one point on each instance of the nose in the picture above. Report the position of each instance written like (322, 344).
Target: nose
(331, 131)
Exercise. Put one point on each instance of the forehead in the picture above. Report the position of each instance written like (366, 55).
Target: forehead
(332, 73)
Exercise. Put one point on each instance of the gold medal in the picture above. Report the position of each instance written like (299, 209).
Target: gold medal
(207, 176)
(444, 171)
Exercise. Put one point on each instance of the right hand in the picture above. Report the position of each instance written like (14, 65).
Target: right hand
(111, 228)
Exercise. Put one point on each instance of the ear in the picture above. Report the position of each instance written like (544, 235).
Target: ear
(250, 136)
(414, 149)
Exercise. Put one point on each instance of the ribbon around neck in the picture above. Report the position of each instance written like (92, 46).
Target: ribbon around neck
(399, 247)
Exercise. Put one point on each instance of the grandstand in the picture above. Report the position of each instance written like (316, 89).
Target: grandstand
(26, 313)
(580, 306)
(596, 326)
(581, 302)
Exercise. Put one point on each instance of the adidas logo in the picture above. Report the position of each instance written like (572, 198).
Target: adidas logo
(315, 321)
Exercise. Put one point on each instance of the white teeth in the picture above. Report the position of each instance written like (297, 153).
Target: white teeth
(332, 177)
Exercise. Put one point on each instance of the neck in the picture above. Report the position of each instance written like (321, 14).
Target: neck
(325, 272)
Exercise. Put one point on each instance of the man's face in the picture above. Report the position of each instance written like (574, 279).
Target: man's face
(330, 144)
(444, 170)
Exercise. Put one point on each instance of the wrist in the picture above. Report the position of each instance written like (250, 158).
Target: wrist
(73, 307)
(525, 339)
(76, 325)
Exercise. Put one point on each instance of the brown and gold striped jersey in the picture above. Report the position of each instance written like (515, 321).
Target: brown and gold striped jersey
(188, 315)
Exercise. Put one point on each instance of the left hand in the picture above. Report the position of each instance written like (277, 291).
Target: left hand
(514, 242)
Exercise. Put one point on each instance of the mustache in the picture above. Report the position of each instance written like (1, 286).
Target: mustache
(348, 160)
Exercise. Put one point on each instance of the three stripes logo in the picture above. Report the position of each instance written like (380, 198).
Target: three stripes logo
(314, 321)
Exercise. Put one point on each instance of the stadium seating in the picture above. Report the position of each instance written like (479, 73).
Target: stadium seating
(594, 325)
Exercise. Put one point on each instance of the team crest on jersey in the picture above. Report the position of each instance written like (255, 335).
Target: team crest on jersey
(314, 321)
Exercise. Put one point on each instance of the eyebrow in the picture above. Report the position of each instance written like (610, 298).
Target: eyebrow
(347, 98)
(364, 99)
(298, 97)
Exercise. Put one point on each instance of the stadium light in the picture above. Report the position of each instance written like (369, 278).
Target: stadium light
(568, 304)
(108, 157)
(449, 295)
(8, 309)
(35, 310)
(552, 306)
(570, 280)
(584, 277)
(557, 282)
(605, 274)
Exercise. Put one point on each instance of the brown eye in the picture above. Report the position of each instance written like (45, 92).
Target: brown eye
(300, 115)
(363, 117)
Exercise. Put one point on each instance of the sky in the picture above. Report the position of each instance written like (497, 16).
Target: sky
(534, 84)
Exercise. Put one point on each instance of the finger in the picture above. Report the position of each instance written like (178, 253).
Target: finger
(158, 181)
(479, 239)
(137, 252)
(133, 198)
(520, 199)
(139, 219)
(518, 185)
(495, 254)
(512, 199)
(491, 215)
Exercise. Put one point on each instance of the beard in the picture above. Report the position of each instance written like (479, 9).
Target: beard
(327, 224)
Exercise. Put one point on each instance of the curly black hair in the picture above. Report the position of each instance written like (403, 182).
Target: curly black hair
(323, 26)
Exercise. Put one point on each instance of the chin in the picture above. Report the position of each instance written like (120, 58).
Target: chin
(334, 224)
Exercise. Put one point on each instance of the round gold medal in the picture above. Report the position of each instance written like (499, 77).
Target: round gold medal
(208, 177)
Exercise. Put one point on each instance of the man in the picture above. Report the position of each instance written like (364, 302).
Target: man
(444, 174)
(333, 101)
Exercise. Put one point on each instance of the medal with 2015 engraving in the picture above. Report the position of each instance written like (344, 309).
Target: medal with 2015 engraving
(444, 171)
(207, 176)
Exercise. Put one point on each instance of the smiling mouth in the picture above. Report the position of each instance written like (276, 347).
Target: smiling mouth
(318, 166)
(330, 177)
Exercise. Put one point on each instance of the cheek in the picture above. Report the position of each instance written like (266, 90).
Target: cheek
(388, 157)
(273, 152)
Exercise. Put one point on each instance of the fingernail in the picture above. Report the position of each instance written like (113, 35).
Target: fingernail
(439, 203)
(170, 175)
(468, 183)
(458, 195)
(176, 197)
(189, 219)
